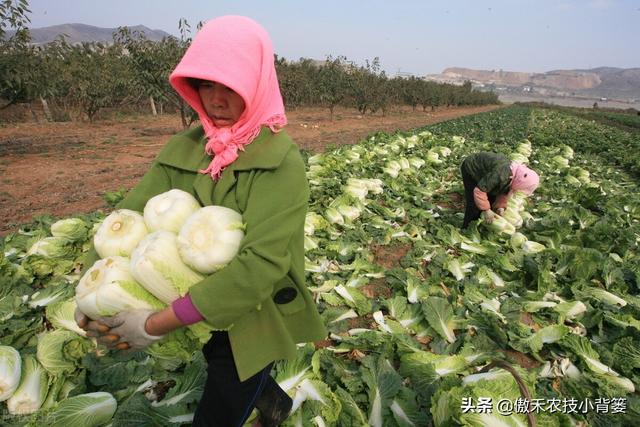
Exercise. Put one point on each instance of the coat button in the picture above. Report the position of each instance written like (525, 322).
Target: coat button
(285, 295)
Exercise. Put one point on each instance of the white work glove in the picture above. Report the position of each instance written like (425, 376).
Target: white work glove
(128, 327)
(500, 211)
(93, 328)
(489, 216)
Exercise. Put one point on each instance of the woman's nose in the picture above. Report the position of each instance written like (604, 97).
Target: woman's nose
(218, 96)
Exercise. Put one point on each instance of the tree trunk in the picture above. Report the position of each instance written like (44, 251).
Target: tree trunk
(33, 113)
(153, 106)
(45, 107)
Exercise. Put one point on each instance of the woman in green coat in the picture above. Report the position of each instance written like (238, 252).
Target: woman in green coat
(239, 158)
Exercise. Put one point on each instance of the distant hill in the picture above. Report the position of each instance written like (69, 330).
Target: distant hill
(78, 33)
(606, 82)
(617, 82)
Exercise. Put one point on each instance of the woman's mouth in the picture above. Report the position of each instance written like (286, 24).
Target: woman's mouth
(220, 121)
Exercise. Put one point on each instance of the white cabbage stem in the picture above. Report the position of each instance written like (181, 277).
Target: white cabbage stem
(169, 210)
(119, 233)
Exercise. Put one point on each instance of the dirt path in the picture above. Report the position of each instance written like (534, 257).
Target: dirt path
(65, 168)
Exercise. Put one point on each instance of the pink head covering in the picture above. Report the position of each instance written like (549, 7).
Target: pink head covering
(236, 52)
(523, 179)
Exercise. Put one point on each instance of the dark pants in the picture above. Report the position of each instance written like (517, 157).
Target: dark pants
(226, 401)
(471, 211)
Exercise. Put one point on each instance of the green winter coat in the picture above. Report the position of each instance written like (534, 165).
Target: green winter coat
(260, 296)
(491, 171)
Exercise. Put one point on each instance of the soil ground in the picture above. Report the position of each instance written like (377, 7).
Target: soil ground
(66, 168)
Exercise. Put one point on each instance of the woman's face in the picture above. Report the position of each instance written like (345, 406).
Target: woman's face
(223, 106)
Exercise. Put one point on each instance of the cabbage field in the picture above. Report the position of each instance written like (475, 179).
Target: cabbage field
(429, 324)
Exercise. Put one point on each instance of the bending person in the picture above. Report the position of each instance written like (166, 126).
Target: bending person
(489, 180)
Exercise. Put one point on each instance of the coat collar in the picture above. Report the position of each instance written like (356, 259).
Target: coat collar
(186, 151)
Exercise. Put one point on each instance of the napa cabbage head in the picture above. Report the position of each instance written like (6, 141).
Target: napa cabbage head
(61, 315)
(572, 180)
(560, 162)
(108, 288)
(404, 163)
(524, 149)
(60, 351)
(10, 368)
(531, 247)
(519, 157)
(169, 210)
(349, 208)
(50, 247)
(566, 151)
(157, 266)
(433, 157)
(371, 185)
(313, 222)
(334, 216)
(33, 388)
(392, 168)
(513, 216)
(210, 238)
(416, 162)
(517, 240)
(357, 190)
(119, 233)
(581, 174)
(499, 225)
(72, 229)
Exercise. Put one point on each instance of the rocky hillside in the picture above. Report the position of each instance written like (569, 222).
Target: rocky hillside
(600, 82)
(77, 33)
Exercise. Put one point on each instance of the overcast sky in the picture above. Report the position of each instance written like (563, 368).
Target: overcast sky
(419, 37)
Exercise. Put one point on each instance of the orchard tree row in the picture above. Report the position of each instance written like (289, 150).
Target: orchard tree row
(133, 72)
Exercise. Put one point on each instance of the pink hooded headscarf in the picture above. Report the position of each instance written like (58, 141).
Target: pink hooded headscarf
(236, 52)
(523, 179)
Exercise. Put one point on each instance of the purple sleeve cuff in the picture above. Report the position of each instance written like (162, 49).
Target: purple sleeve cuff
(185, 311)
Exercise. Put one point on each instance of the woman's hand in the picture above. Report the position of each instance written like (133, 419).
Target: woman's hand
(136, 329)
(127, 330)
(93, 328)
(81, 319)
(489, 216)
